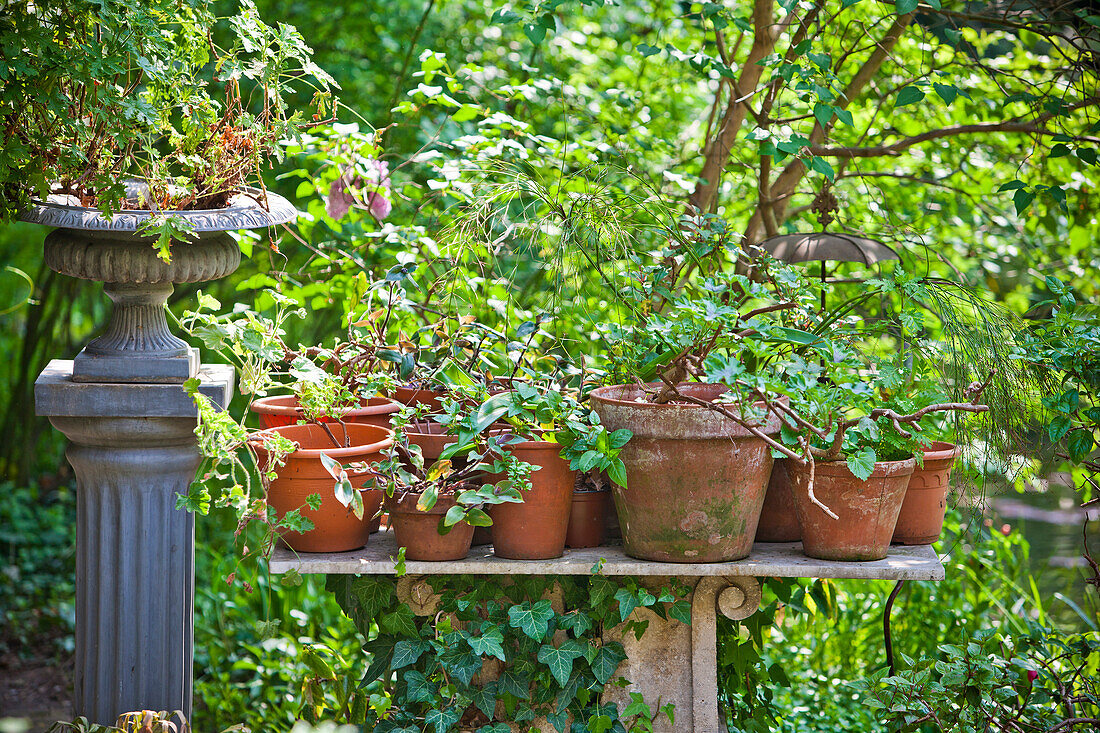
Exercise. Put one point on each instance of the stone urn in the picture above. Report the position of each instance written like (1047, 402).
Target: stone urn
(137, 345)
(131, 428)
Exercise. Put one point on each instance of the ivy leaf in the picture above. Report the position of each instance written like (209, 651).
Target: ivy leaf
(559, 660)
(560, 721)
(531, 620)
(567, 695)
(490, 643)
(371, 595)
(407, 651)
(443, 719)
(400, 622)
(608, 658)
(681, 611)
(418, 688)
(862, 464)
(460, 663)
(515, 684)
(485, 699)
(628, 601)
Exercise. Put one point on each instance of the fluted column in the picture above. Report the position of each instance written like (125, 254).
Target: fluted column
(133, 450)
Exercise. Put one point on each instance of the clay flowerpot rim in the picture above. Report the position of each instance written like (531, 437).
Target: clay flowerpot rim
(379, 439)
(941, 450)
(287, 406)
(619, 403)
(840, 467)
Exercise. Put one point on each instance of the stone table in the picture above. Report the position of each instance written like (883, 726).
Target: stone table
(674, 662)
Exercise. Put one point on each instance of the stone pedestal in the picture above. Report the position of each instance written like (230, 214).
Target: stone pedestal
(133, 450)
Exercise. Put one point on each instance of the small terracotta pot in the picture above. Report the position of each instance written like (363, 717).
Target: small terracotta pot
(587, 518)
(336, 528)
(535, 529)
(413, 396)
(418, 532)
(275, 411)
(695, 479)
(867, 510)
(921, 519)
(778, 518)
(432, 439)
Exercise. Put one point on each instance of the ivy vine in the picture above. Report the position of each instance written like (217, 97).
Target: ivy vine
(502, 649)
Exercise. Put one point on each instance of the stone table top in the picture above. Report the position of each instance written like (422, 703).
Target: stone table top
(777, 560)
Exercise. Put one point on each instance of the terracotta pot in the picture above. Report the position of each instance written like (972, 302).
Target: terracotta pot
(418, 532)
(535, 529)
(414, 396)
(922, 512)
(275, 411)
(696, 479)
(867, 510)
(587, 518)
(778, 518)
(432, 439)
(336, 529)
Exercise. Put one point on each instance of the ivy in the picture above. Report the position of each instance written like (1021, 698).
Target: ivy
(501, 650)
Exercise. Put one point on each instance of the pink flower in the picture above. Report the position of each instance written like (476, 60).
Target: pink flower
(1032, 675)
(370, 178)
(378, 205)
(339, 200)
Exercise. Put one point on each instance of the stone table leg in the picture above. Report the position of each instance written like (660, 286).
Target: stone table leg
(678, 664)
(133, 450)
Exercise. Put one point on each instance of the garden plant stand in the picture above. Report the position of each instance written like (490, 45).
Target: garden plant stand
(673, 662)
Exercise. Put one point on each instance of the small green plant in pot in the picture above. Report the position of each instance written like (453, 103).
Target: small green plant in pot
(541, 436)
(859, 450)
(434, 507)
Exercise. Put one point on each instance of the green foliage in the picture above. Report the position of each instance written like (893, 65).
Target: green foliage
(96, 92)
(501, 648)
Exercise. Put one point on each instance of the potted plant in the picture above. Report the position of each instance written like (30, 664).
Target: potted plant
(540, 437)
(859, 455)
(435, 505)
(701, 456)
(126, 156)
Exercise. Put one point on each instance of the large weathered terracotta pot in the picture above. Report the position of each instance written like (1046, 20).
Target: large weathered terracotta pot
(535, 529)
(418, 532)
(695, 479)
(867, 510)
(921, 519)
(336, 528)
(432, 439)
(778, 518)
(284, 410)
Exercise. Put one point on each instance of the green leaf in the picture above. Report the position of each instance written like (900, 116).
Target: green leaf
(490, 643)
(531, 620)
(948, 92)
(628, 601)
(823, 113)
(1022, 200)
(400, 622)
(862, 463)
(617, 472)
(608, 658)
(560, 659)
(407, 651)
(681, 611)
(442, 720)
(418, 687)
(904, 7)
(910, 94)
